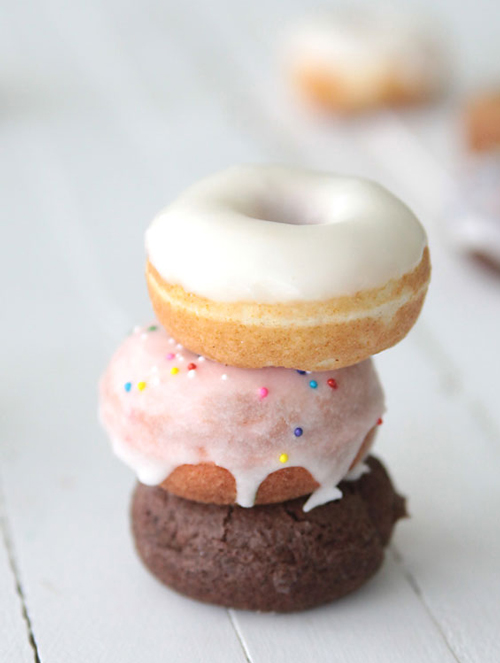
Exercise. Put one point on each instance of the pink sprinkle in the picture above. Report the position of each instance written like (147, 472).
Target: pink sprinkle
(171, 355)
(263, 392)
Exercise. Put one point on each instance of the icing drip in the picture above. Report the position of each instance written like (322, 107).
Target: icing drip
(250, 422)
(357, 472)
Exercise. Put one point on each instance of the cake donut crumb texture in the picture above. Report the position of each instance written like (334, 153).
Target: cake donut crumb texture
(274, 557)
(287, 267)
(223, 434)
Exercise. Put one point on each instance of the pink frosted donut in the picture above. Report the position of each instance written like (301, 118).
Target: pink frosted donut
(171, 413)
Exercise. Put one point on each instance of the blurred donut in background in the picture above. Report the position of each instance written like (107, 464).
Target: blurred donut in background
(475, 223)
(482, 119)
(347, 62)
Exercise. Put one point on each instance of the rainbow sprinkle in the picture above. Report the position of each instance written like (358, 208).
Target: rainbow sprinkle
(141, 386)
(174, 370)
(313, 384)
(283, 458)
(263, 392)
(152, 328)
(128, 386)
(170, 355)
(298, 432)
(332, 383)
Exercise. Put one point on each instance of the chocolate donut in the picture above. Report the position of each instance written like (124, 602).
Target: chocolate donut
(273, 557)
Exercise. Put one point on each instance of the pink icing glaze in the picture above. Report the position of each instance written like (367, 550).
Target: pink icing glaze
(216, 413)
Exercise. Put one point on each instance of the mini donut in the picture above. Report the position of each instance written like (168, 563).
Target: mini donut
(347, 62)
(224, 435)
(273, 557)
(271, 266)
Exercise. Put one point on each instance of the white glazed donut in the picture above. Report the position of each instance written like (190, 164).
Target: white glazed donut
(271, 266)
(348, 62)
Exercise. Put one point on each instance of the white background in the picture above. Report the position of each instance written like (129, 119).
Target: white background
(107, 110)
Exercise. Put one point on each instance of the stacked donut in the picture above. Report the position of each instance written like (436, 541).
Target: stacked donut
(249, 413)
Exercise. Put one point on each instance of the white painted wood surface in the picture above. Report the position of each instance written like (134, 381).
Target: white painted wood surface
(14, 630)
(107, 110)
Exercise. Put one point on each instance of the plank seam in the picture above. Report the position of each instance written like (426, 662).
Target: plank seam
(9, 547)
(239, 635)
(415, 587)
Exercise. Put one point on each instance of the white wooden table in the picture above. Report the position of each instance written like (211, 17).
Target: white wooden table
(107, 110)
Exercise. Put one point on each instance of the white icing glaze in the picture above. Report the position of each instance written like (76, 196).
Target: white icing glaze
(274, 234)
(174, 420)
(364, 47)
(358, 471)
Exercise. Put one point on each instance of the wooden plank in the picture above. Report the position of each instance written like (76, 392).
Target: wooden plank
(448, 465)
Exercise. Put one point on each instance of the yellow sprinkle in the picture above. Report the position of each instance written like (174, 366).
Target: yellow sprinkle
(141, 386)
(283, 458)
(174, 370)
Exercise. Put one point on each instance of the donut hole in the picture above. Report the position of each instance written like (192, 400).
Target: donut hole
(289, 210)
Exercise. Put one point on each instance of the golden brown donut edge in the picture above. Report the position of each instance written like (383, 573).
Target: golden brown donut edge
(311, 336)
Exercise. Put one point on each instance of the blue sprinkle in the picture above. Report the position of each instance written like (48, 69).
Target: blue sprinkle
(313, 384)
(128, 386)
(301, 372)
(298, 432)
